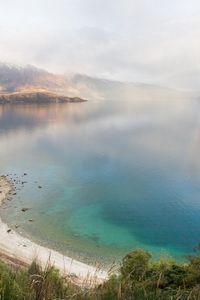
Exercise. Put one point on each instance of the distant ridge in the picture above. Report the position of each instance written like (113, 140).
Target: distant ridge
(29, 79)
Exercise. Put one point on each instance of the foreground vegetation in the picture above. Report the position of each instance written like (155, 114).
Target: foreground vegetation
(138, 279)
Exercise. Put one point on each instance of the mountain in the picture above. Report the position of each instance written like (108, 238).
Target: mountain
(28, 79)
(15, 79)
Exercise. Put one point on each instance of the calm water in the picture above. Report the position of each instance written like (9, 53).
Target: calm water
(115, 175)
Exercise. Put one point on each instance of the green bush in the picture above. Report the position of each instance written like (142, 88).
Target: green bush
(135, 265)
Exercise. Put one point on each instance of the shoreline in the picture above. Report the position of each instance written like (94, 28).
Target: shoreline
(15, 247)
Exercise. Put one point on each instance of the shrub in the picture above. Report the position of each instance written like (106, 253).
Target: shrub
(135, 265)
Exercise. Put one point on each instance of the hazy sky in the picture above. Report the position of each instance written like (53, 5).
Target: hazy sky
(155, 41)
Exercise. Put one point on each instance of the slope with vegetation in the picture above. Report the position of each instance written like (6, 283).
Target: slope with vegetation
(138, 279)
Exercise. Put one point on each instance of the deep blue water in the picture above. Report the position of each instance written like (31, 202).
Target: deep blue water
(115, 176)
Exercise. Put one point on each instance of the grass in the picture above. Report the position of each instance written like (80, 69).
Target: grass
(138, 278)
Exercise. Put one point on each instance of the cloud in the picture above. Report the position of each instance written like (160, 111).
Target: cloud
(135, 40)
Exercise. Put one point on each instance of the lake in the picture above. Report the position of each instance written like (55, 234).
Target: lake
(114, 176)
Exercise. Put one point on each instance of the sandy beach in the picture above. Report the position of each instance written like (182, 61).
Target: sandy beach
(16, 247)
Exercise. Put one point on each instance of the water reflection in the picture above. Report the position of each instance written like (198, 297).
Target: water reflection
(124, 174)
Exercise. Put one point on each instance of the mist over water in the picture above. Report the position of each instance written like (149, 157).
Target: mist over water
(115, 175)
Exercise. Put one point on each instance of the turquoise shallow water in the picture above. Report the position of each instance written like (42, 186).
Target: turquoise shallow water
(115, 176)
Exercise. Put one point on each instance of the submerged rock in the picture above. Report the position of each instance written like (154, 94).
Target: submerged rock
(24, 209)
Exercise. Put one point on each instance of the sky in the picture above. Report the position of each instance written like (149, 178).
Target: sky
(152, 41)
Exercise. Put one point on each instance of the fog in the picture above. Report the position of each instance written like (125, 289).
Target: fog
(152, 41)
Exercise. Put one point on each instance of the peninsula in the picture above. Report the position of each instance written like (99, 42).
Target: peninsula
(36, 97)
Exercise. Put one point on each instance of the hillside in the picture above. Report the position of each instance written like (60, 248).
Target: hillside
(19, 79)
(138, 278)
